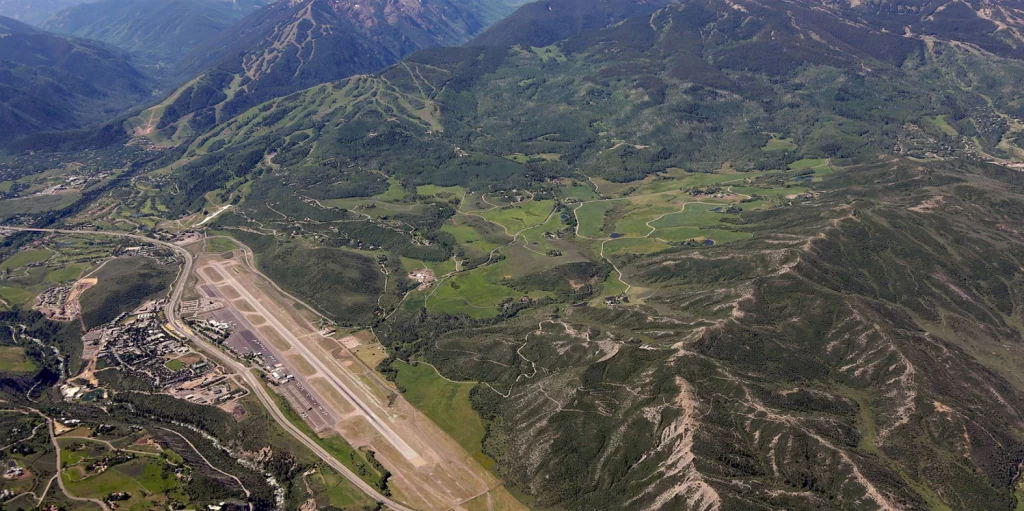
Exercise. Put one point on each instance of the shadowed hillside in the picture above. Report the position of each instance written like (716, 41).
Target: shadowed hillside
(159, 33)
(50, 82)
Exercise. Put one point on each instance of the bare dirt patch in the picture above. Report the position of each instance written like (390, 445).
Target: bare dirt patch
(243, 306)
(190, 358)
(424, 276)
(351, 342)
(928, 205)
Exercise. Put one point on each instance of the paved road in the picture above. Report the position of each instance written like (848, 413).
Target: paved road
(60, 480)
(227, 361)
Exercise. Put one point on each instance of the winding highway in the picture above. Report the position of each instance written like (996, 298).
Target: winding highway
(229, 362)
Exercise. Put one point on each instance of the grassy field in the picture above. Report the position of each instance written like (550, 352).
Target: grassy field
(537, 241)
(478, 293)
(547, 53)
(638, 211)
(143, 477)
(16, 296)
(692, 215)
(14, 360)
(591, 218)
(26, 257)
(476, 234)
(821, 167)
(338, 492)
(779, 144)
(447, 404)
(220, 244)
(124, 284)
(653, 213)
(439, 268)
(387, 203)
(942, 124)
(442, 192)
(520, 216)
(174, 365)
(579, 190)
(634, 246)
(67, 273)
(34, 205)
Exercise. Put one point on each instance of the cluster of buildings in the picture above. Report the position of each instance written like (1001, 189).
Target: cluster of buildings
(219, 331)
(215, 389)
(140, 344)
(179, 238)
(53, 303)
(163, 256)
(13, 470)
(708, 191)
(278, 374)
(61, 303)
(70, 183)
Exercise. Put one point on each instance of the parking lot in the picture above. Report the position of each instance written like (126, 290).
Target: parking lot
(244, 341)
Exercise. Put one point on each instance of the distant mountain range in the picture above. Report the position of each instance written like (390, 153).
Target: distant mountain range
(546, 22)
(33, 12)
(292, 45)
(231, 54)
(158, 32)
(50, 82)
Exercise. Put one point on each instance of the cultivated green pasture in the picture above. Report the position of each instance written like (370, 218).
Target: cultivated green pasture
(447, 404)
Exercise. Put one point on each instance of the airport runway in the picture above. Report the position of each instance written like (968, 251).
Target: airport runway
(244, 341)
(352, 397)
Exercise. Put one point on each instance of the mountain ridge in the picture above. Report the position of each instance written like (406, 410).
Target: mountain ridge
(722, 254)
(52, 82)
(291, 45)
(159, 33)
(805, 361)
(33, 12)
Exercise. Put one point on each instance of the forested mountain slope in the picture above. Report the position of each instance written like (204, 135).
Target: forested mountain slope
(823, 360)
(50, 82)
(291, 45)
(33, 11)
(546, 22)
(826, 89)
(990, 25)
(159, 33)
(717, 255)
